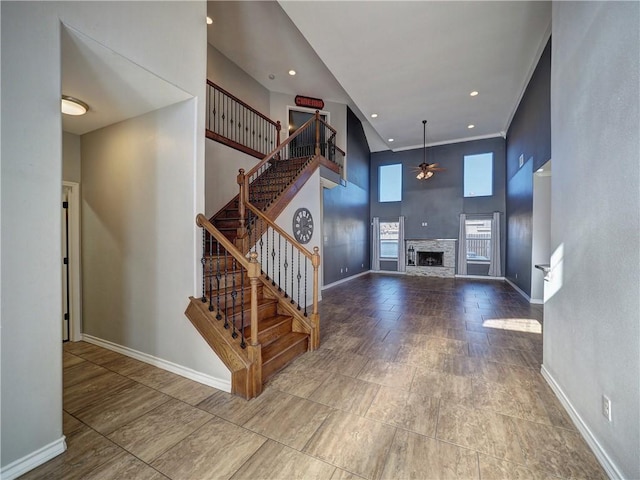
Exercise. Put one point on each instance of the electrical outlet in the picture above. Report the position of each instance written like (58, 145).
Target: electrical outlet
(363, 265)
(341, 270)
(424, 224)
(516, 276)
(346, 270)
(606, 407)
(521, 160)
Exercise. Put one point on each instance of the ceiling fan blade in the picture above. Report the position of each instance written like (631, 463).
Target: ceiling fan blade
(437, 169)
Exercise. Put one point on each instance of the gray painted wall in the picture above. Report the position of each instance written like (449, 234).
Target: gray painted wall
(529, 135)
(439, 200)
(592, 327)
(71, 164)
(346, 212)
(149, 34)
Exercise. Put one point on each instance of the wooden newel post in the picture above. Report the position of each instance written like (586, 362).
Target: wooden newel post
(317, 132)
(242, 231)
(253, 272)
(254, 349)
(315, 317)
(278, 128)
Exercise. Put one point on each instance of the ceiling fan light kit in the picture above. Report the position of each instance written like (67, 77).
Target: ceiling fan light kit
(425, 170)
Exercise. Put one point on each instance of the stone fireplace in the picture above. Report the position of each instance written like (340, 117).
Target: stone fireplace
(432, 257)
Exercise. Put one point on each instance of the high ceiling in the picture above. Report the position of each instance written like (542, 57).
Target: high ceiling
(405, 61)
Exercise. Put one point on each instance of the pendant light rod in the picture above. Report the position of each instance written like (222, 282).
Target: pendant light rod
(424, 152)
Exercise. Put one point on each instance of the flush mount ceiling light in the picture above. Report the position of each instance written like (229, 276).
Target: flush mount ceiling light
(73, 106)
(425, 170)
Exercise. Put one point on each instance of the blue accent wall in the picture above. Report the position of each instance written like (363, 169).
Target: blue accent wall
(529, 135)
(346, 225)
(439, 200)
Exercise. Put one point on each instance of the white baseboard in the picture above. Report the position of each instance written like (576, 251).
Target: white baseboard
(390, 272)
(33, 460)
(219, 383)
(536, 301)
(344, 280)
(518, 289)
(607, 463)
(480, 277)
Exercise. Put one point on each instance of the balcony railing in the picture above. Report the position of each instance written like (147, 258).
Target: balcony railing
(236, 124)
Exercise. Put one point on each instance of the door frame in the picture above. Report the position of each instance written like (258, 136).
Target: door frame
(306, 110)
(75, 284)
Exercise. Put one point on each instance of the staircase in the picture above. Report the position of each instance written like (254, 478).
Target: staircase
(268, 193)
(255, 311)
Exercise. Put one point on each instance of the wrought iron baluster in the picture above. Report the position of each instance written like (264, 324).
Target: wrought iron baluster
(226, 288)
(210, 273)
(279, 261)
(266, 271)
(306, 264)
(243, 344)
(273, 256)
(218, 278)
(203, 261)
(299, 277)
(234, 294)
(286, 265)
(292, 249)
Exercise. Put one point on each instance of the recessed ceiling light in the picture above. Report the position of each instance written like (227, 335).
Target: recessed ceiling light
(374, 115)
(209, 21)
(474, 93)
(471, 126)
(73, 106)
(391, 139)
(292, 72)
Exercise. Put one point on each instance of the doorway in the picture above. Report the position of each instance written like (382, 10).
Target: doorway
(304, 144)
(71, 307)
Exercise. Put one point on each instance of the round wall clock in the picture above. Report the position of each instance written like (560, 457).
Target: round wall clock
(302, 225)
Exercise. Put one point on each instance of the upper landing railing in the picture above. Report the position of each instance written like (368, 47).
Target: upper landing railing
(236, 124)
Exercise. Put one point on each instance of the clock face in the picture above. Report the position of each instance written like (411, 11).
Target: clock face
(302, 225)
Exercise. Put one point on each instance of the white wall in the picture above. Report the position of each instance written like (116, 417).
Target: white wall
(541, 232)
(592, 327)
(226, 74)
(221, 170)
(71, 157)
(166, 38)
(137, 237)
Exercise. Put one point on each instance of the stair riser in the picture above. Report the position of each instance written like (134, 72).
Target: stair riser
(265, 337)
(264, 311)
(274, 364)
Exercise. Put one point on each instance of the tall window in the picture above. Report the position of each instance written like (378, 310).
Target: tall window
(478, 234)
(390, 183)
(478, 175)
(389, 235)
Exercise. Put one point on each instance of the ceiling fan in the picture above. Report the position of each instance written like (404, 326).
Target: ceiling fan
(425, 170)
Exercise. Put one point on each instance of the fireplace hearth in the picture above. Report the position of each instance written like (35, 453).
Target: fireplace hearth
(430, 259)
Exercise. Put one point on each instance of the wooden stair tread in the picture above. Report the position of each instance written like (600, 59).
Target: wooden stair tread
(280, 352)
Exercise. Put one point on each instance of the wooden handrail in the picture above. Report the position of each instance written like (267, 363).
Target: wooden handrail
(203, 222)
(248, 107)
(273, 152)
(328, 126)
(278, 229)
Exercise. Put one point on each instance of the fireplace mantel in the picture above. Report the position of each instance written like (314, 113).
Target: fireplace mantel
(447, 246)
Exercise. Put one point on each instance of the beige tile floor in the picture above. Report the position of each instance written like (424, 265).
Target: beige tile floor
(416, 378)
